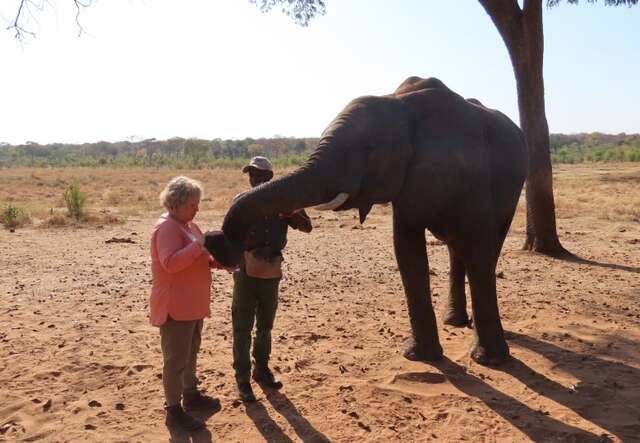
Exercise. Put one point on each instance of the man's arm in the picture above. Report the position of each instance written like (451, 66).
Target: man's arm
(300, 221)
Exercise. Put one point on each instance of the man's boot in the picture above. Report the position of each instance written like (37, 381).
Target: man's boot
(177, 418)
(193, 401)
(265, 377)
(246, 392)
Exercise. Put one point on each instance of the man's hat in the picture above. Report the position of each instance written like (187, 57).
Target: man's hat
(259, 162)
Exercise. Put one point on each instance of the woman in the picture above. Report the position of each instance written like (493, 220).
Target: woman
(181, 270)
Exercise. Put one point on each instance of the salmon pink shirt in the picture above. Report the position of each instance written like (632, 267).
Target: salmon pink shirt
(181, 272)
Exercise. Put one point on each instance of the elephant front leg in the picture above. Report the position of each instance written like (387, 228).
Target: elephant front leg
(455, 313)
(411, 254)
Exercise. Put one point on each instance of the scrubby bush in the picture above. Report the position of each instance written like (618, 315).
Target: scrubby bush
(75, 200)
(13, 217)
(55, 220)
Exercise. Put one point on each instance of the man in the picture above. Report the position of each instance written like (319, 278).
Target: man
(256, 299)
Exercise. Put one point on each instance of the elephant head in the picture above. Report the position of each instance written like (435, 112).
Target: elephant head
(361, 159)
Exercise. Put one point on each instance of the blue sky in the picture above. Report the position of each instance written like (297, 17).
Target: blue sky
(199, 68)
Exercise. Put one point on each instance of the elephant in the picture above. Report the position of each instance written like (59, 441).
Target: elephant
(447, 165)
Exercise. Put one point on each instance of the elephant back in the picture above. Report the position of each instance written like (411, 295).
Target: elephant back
(413, 84)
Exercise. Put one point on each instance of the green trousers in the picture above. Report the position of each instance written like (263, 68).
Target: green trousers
(180, 343)
(255, 300)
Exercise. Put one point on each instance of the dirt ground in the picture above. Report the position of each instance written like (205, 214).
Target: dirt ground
(79, 361)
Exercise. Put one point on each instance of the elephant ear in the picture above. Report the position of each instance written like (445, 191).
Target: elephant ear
(388, 149)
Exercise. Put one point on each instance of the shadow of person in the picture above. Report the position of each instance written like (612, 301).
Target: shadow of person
(288, 410)
(606, 393)
(180, 436)
(199, 436)
(265, 424)
(536, 424)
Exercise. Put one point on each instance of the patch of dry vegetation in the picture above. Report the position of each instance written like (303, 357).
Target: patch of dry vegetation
(112, 194)
(602, 191)
(59, 219)
(12, 217)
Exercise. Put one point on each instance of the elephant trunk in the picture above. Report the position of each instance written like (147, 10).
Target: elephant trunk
(300, 189)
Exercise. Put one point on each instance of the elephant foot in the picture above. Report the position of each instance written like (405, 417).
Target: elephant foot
(456, 319)
(417, 352)
(494, 354)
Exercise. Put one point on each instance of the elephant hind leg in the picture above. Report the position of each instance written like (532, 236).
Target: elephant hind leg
(455, 313)
(489, 347)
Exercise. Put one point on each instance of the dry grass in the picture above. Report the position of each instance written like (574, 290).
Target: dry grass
(602, 191)
(55, 220)
(119, 192)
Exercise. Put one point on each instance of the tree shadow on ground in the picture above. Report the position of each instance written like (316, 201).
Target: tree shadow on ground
(571, 258)
(200, 436)
(605, 394)
(301, 425)
(535, 424)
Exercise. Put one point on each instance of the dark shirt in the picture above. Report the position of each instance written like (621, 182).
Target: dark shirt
(268, 237)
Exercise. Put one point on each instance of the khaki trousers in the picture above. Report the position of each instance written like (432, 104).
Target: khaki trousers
(180, 343)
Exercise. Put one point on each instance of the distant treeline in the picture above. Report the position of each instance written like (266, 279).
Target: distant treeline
(173, 153)
(198, 153)
(595, 147)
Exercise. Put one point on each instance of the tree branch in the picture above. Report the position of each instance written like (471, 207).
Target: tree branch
(300, 10)
(552, 3)
(19, 30)
(24, 8)
(78, 4)
(506, 16)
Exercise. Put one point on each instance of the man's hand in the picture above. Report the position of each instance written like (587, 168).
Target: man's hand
(299, 220)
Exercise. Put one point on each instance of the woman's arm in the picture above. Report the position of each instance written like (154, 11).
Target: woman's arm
(173, 256)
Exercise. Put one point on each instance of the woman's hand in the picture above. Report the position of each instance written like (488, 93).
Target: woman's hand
(213, 264)
(199, 239)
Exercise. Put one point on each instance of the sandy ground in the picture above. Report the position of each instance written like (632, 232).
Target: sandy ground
(79, 361)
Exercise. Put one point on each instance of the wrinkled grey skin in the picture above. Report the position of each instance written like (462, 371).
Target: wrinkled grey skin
(446, 164)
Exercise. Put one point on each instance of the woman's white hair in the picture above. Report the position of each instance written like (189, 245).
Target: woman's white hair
(178, 192)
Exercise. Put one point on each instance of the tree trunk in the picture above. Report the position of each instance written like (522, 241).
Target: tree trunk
(522, 33)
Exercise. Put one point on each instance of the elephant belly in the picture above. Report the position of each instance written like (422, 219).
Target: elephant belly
(455, 205)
